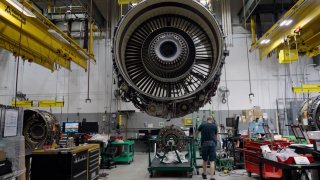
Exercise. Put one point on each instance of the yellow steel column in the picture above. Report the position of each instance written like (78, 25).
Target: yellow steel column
(253, 30)
(91, 38)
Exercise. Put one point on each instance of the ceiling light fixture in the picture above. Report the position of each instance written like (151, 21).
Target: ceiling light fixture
(21, 8)
(265, 41)
(285, 23)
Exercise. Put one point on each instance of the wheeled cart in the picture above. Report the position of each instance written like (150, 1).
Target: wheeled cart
(156, 160)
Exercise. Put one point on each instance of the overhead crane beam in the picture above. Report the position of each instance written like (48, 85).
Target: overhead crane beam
(37, 103)
(303, 28)
(307, 88)
(41, 41)
(127, 1)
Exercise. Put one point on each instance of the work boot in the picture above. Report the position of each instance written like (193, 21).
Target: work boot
(204, 176)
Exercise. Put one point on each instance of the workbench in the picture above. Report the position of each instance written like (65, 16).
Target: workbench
(79, 163)
(252, 152)
(306, 150)
(286, 168)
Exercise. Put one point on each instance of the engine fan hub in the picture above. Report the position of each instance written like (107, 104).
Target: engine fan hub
(168, 54)
(167, 50)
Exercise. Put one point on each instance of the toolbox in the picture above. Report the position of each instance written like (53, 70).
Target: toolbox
(252, 151)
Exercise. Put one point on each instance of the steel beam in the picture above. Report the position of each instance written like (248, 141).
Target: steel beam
(247, 10)
(38, 103)
(307, 88)
(253, 7)
(29, 37)
(304, 15)
(97, 16)
(253, 30)
(127, 1)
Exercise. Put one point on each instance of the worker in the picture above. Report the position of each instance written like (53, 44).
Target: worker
(256, 126)
(209, 132)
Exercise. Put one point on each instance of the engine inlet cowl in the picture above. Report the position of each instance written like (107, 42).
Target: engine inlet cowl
(168, 55)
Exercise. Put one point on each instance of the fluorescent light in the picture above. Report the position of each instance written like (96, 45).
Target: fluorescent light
(265, 41)
(286, 22)
(58, 36)
(21, 8)
(283, 23)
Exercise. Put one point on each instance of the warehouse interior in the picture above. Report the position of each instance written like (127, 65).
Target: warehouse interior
(117, 89)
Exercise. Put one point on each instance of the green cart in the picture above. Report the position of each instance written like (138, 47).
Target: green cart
(125, 151)
(156, 161)
(197, 156)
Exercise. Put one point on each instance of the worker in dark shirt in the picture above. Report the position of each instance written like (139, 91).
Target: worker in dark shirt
(208, 144)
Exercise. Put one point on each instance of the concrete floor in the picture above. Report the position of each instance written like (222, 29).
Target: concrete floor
(138, 171)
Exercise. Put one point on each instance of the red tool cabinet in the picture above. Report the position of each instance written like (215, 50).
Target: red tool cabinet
(252, 151)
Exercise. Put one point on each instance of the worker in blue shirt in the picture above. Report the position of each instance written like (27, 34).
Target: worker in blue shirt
(209, 132)
(256, 127)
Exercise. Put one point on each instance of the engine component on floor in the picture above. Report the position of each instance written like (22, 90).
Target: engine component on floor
(171, 136)
(312, 108)
(221, 154)
(39, 128)
(168, 55)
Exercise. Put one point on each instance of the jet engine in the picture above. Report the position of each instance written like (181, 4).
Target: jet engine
(168, 55)
(312, 108)
(40, 128)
